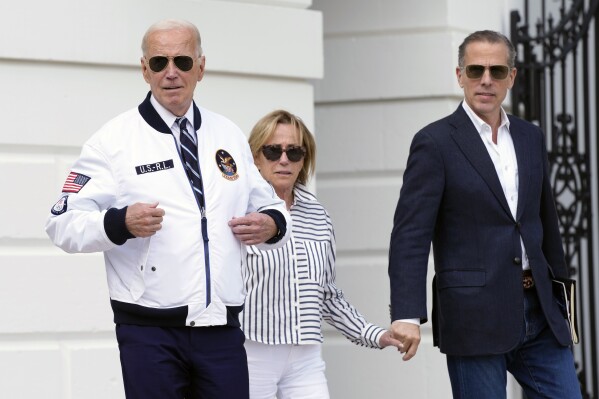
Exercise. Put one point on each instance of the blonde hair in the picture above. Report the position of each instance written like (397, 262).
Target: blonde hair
(265, 128)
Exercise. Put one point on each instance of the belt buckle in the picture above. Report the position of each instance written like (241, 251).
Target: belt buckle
(527, 280)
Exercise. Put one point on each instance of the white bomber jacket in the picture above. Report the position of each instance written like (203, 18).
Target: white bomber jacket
(175, 277)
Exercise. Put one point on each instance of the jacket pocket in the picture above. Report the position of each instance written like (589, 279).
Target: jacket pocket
(461, 278)
(138, 285)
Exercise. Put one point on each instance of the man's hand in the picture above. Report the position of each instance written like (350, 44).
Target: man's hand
(144, 220)
(253, 228)
(409, 336)
(387, 340)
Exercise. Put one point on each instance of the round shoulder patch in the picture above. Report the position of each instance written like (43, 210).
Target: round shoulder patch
(227, 165)
(61, 206)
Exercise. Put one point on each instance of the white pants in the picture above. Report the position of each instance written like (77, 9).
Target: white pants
(286, 371)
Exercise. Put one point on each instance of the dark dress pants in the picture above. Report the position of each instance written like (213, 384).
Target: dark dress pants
(183, 362)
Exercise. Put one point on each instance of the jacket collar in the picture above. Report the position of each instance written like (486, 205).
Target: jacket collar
(470, 143)
(522, 146)
(149, 114)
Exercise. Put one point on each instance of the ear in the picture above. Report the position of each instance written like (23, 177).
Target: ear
(512, 77)
(458, 74)
(202, 67)
(144, 70)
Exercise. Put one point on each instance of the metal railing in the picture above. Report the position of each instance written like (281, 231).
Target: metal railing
(557, 88)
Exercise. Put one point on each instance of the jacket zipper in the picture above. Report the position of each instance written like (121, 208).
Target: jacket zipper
(201, 204)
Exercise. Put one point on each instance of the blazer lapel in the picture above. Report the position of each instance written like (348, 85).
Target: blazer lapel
(521, 147)
(471, 144)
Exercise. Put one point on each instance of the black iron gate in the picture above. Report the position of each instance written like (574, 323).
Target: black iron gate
(557, 87)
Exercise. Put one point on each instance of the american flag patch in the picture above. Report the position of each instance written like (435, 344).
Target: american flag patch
(75, 182)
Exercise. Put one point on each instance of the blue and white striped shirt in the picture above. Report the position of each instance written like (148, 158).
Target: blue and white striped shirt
(291, 289)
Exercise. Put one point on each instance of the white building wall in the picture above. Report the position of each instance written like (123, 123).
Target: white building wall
(67, 67)
(389, 71)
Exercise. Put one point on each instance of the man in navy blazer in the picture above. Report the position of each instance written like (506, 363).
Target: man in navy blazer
(477, 186)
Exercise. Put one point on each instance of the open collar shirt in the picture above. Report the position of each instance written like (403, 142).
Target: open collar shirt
(504, 159)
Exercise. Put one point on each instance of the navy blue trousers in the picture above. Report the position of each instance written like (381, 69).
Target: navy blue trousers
(543, 367)
(183, 362)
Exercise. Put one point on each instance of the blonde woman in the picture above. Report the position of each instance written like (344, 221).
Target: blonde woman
(290, 290)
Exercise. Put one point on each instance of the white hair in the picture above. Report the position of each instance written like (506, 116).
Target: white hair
(172, 24)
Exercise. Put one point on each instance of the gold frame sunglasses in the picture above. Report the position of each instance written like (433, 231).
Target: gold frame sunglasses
(498, 72)
(159, 62)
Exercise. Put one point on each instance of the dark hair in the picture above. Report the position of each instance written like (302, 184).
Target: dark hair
(490, 37)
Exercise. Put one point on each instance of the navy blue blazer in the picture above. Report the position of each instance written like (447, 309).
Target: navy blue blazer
(451, 196)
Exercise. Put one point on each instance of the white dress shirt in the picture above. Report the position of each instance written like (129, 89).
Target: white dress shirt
(503, 156)
(171, 119)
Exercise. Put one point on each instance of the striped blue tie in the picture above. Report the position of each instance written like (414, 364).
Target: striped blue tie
(189, 151)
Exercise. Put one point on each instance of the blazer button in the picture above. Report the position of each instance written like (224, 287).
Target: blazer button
(517, 261)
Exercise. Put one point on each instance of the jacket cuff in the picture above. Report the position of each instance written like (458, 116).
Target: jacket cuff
(115, 227)
(279, 221)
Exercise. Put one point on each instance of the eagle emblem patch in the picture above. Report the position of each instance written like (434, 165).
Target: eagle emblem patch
(227, 165)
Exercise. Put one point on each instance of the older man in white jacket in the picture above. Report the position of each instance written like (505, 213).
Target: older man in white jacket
(173, 243)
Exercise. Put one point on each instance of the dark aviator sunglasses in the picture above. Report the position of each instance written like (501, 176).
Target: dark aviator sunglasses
(274, 152)
(159, 62)
(498, 72)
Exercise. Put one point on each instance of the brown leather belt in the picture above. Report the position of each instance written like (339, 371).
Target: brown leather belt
(527, 280)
